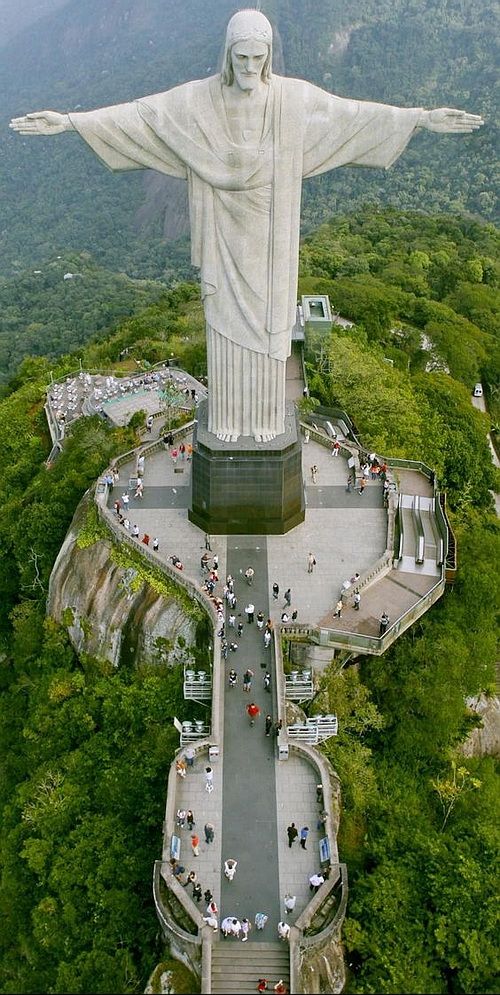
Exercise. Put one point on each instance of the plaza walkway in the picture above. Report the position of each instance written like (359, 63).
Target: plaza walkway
(255, 795)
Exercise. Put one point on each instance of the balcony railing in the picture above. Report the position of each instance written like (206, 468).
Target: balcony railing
(314, 730)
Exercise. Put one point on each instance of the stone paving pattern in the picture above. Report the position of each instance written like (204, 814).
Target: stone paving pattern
(256, 796)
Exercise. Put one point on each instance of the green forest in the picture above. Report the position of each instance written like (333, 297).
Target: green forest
(54, 193)
(85, 748)
(54, 310)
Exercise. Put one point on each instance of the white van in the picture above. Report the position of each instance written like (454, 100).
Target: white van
(478, 390)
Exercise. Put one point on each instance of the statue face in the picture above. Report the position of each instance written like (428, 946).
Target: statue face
(247, 60)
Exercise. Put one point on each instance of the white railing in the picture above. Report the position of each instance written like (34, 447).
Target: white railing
(299, 686)
(314, 730)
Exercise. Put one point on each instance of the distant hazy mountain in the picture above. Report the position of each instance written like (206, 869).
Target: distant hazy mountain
(55, 196)
(16, 15)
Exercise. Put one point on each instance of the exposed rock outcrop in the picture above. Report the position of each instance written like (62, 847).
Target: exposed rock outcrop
(322, 968)
(109, 612)
(485, 739)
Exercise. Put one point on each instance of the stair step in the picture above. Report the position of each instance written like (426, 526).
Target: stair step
(237, 967)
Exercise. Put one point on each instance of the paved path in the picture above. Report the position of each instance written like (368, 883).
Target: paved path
(256, 796)
(345, 531)
(249, 815)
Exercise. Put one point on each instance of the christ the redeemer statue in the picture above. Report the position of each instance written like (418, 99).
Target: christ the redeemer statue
(244, 140)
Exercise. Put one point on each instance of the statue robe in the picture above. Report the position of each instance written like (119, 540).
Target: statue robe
(244, 202)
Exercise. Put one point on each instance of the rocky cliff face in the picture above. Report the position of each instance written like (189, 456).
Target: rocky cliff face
(107, 612)
(485, 740)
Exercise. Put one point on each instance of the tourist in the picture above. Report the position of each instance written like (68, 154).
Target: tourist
(280, 987)
(260, 920)
(249, 612)
(311, 563)
(356, 601)
(314, 473)
(283, 930)
(289, 903)
(292, 833)
(276, 591)
(156, 544)
(253, 712)
(315, 882)
(190, 819)
(260, 620)
(180, 766)
(269, 724)
(209, 779)
(384, 622)
(338, 608)
(288, 597)
(249, 575)
(177, 870)
(304, 833)
(135, 531)
(197, 892)
(209, 830)
(195, 845)
(230, 866)
(247, 679)
(226, 926)
(267, 639)
(180, 818)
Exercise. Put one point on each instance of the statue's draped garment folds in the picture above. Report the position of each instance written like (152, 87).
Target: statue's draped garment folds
(244, 201)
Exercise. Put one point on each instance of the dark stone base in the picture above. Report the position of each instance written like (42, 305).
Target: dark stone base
(246, 487)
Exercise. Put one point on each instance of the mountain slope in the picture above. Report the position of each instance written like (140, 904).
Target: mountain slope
(55, 195)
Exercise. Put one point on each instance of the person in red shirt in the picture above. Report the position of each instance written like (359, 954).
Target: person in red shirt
(253, 711)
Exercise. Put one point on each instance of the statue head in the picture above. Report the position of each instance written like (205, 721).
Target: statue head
(247, 26)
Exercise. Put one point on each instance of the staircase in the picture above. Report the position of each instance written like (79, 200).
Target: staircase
(237, 967)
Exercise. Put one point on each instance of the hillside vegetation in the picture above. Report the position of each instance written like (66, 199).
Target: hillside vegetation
(56, 196)
(55, 310)
(85, 749)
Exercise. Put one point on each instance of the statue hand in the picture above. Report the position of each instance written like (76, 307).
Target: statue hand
(446, 119)
(42, 123)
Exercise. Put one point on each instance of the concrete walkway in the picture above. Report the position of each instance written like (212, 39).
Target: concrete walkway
(249, 814)
(256, 796)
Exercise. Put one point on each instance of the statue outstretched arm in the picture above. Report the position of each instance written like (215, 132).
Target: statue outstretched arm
(448, 120)
(42, 123)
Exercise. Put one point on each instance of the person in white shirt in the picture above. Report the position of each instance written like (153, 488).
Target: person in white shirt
(230, 866)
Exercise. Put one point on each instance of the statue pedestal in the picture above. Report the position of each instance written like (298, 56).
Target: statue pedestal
(246, 487)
